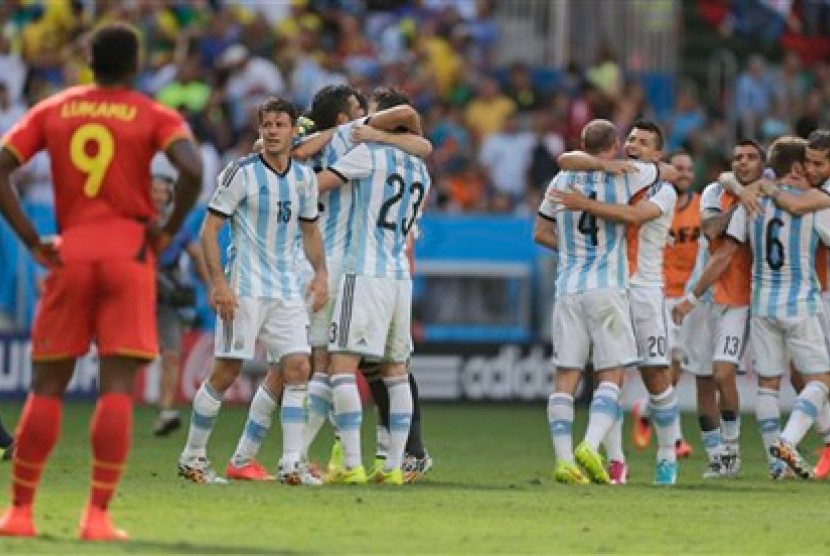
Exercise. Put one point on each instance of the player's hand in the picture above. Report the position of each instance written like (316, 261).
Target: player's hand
(366, 134)
(158, 238)
(223, 300)
(750, 197)
(47, 251)
(619, 167)
(679, 312)
(317, 293)
(257, 146)
(570, 200)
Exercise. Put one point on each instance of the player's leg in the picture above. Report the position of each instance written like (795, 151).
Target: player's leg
(319, 395)
(571, 344)
(294, 469)
(768, 346)
(170, 342)
(417, 461)
(380, 395)
(62, 330)
(679, 337)
(611, 333)
(6, 443)
(233, 342)
(805, 341)
(37, 434)
(730, 339)
(243, 465)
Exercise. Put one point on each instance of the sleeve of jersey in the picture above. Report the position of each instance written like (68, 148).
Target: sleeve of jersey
(355, 164)
(737, 225)
(230, 191)
(27, 136)
(822, 225)
(309, 210)
(170, 127)
(665, 198)
(710, 199)
(645, 176)
(547, 209)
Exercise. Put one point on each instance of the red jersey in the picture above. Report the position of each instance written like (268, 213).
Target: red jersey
(100, 142)
(680, 253)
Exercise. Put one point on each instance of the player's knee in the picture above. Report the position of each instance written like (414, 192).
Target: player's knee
(224, 373)
(391, 370)
(296, 369)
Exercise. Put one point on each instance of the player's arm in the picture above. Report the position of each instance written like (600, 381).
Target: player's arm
(544, 232)
(222, 298)
(44, 250)
(185, 156)
(635, 215)
(812, 200)
(315, 252)
(355, 164)
(312, 144)
(409, 142)
(580, 161)
(194, 250)
(714, 222)
(396, 119)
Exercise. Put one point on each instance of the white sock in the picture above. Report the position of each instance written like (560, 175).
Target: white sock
(382, 439)
(602, 413)
(731, 431)
(613, 441)
(768, 415)
(348, 412)
(168, 414)
(712, 443)
(823, 423)
(206, 404)
(400, 419)
(805, 410)
(666, 420)
(644, 407)
(561, 422)
(256, 426)
(292, 417)
(319, 407)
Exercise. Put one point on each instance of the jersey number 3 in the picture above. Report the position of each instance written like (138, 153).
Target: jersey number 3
(396, 181)
(95, 165)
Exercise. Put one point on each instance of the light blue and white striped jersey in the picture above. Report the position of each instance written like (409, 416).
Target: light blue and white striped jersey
(784, 279)
(592, 251)
(335, 205)
(265, 209)
(390, 187)
(700, 263)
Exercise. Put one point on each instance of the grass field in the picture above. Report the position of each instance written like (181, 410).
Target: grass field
(491, 491)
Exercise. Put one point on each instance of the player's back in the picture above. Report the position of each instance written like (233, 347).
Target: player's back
(100, 142)
(732, 288)
(591, 251)
(387, 203)
(646, 242)
(784, 279)
(681, 250)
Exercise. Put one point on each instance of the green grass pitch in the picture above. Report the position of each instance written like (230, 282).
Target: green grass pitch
(491, 491)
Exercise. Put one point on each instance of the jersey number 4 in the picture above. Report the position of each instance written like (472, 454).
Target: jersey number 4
(95, 165)
(588, 224)
(396, 181)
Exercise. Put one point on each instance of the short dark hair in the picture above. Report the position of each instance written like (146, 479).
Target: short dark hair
(328, 103)
(598, 136)
(389, 97)
(648, 125)
(679, 152)
(362, 101)
(819, 140)
(277, 104)
(754, 144)
(786, 151)
(114, 49)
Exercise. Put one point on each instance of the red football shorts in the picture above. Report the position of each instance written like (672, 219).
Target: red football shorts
(112, 302)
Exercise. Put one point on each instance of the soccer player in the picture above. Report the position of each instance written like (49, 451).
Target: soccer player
(592, 309)
(373, 307)
(679, 258)
(648, 218)
(267, 199)
(786, 306)
(101, 282)
(723, 332)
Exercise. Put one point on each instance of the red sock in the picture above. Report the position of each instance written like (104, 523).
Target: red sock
(110, 432)
(37, 434)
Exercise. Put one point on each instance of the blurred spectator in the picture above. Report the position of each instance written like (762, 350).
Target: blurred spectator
(521, 90)
(187, 90)
(488, 110)
(811, 117)
(606, 74)
(753, 96)
(686, 118)
(10, 111)
(250, 80)
(506, 156)
(12, 69)
(816, 17)
(790, 86)
(548, 145)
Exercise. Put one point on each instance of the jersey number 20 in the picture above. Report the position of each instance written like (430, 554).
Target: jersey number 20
(95, 166)
(397, 182)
